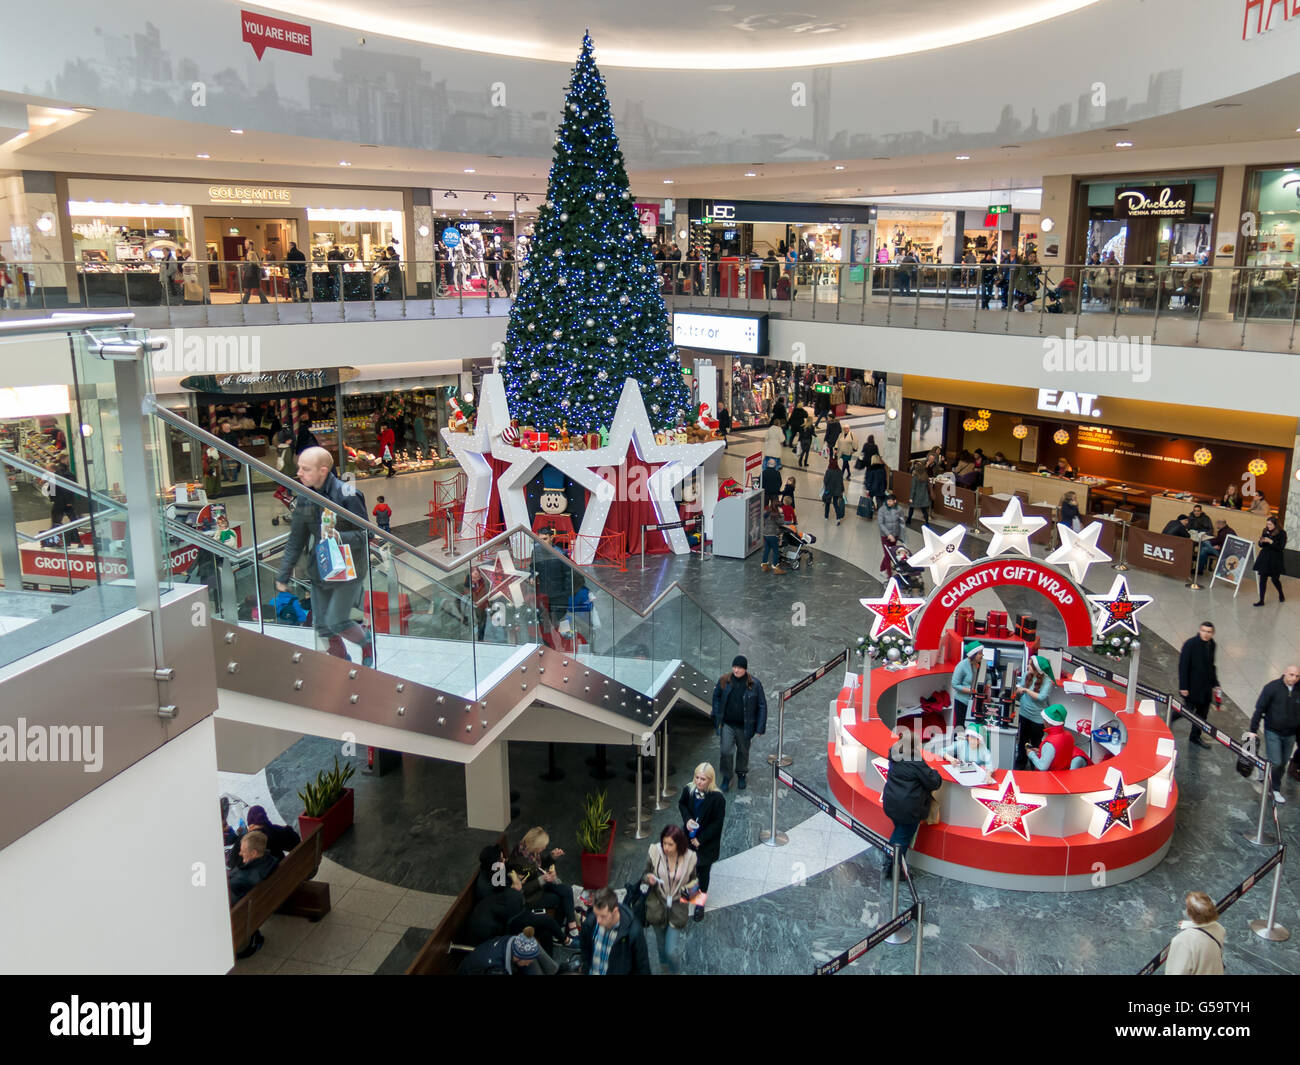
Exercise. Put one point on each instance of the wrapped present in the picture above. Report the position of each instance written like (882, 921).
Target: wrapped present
(679, 437)
(536, 441)
(1027, 627)
(981, 627)
(593, 441)
(996, 622)
(965, 624)
(550, 445)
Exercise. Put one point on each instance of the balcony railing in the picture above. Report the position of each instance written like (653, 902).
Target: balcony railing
(1252, 306)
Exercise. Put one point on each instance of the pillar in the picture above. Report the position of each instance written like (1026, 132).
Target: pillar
(891, 448)
(487, 789)
(1227, 219)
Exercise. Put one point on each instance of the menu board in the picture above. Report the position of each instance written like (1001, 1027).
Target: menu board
(754, 522)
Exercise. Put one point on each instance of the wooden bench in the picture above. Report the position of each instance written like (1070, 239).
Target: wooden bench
(436, 957)
(290, 890)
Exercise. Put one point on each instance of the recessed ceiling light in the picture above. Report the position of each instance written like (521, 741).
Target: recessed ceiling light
(669, 181)
(237, 131)
(1221, 107)
(45, 120)
(963, 157)
(344, 162)
(1123, 144)
(203, 155)
(61, 111)
(750, 173)
(839, 166)
(370, 146)
(470, 170)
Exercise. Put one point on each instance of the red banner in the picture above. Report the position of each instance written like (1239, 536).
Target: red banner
(53, 567)
(647, 216)
(263, 32)
(752, 464)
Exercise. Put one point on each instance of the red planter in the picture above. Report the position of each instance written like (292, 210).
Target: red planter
(595, 867)
(332, 823)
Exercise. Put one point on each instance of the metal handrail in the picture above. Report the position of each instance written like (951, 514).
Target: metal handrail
(64, 323)
(184, 425)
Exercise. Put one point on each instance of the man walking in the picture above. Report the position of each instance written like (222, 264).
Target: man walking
(1198, 680)
(612, 942)
(739, 712)
(1278, 708)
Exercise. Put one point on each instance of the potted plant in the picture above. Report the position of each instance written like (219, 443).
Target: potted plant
(327, 804)
(596, 840)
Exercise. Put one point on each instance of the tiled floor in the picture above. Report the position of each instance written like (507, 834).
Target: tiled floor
(367, 919)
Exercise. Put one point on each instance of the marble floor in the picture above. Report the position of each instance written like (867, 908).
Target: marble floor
(786, 909)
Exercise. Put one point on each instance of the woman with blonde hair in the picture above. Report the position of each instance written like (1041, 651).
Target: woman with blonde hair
(543, 887)
(1198, 949)
(704, 809)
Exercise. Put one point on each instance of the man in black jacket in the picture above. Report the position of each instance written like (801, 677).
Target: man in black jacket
(1278, 707)
(833, 430)
(794, 423)
(255, 865)
(519, 955)
(613, 941)
(1176, 527)
(297, 273)
(332, 601)
(1198, 680)
(739, 713)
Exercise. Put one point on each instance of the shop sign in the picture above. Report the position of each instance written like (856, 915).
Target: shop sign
(1060, 401)
(1158, 553)
(717, 332)
(263, 32)
(248, 195)
(1263, 11)
(52, 567)
(271, 383)
(952, 501)
(451, 236)
(1155, 201)
(647, 217)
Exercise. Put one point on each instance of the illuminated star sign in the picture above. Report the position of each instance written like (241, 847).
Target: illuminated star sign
(1007, 808)
(891, 611)
(1118, 609)
(503, 580)
(942, 553)
(1114, 806)
(1078, 550)
(1012, 531)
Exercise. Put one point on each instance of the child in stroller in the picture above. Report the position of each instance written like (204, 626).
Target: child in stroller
(895, 564)
(795, 546)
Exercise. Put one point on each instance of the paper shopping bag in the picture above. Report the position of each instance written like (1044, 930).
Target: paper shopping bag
(334, 561)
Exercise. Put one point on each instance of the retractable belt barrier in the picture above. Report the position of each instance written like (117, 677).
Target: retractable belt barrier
(668, 526)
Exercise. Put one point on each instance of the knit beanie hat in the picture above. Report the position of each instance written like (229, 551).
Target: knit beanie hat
(523, 947)
(1044, 666)
(972, 648)
(741, 661)
(1054, 714)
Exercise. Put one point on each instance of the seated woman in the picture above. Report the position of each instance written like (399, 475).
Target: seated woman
(280, 839)
(492, 878)
(970, 746)
(1058, 750)
(543, 888)
(507, 911)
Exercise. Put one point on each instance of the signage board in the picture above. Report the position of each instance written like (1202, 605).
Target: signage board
(1157, 553)
(1062, 401)
(953, 502)
(276, 382)
(1233, 561)
(263, 32)
(451, 236)
(249, 195)
(1000, 208)
(743, 335)
(53, 567)
(1154, 201)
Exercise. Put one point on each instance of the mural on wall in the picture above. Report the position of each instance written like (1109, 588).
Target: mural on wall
(144, 59)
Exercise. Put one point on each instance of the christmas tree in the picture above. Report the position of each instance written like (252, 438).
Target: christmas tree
(589, 313)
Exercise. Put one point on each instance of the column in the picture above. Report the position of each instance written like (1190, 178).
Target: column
(1291, 518)
(1056, 205)
(891, 447)
(1227, 219)
(487, 789)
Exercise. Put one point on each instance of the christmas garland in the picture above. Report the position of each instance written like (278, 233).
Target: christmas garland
(893, 647)
(1117, 647)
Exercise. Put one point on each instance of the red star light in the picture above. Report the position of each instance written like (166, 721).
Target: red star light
(892, 611)
(1007, 808)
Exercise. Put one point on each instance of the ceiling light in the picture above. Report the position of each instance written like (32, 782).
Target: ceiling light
(344, 162)
(839, 166)
(1123, 144)
(449, 195)
(470, 170)
(1221, 107)
(60, 111)
(237, 131)
(963, 157)
(1047, 225)
(45, 223)
(203, 155)
(669, 181)
(85, 110)
(1010, 147)
(423, 230)
(750, 173)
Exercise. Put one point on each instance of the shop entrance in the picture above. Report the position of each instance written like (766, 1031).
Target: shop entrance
(224, 243)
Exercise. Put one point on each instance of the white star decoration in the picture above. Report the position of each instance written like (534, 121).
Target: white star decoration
(941, 553)
(471, 451)
(1012, 531)
(1118, 608)
(1078, 550)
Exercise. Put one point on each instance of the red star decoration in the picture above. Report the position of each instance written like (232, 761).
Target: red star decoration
(1007, 808)
(502, 581)
(1119, 608)
(1118, 807)
(892, 611)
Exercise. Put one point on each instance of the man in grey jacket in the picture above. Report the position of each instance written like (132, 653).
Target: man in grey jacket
(889, 519)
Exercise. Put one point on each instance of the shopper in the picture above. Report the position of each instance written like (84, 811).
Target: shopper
(1032, 694)
(1278, 710)
(383, 514)
(772, 534)
(250, 276)
(909, 787)
(613, 941)
(62, 500)
(704, 810)
(889, 520)
(670, 883)
(543, 885)
(1198, 949)
(1198, 679)
(874, 482)
(869, 449)
(833, 430)
(1068, 511)
(255, 865)
(1211, 549)
(387, 446)
(724, 422)
(517, 955)
(739, 714)
(848, 447)
(1269, 560)
(772, 441)
(805, 441)
(296, 264)
(920, 495)
(833, 491)
(280, 839)
(332, 601)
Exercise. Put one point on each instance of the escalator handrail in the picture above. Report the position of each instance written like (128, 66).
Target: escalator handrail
(184, 425)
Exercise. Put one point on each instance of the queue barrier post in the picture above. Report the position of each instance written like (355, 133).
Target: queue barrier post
(920, 935)
(771, 837)
(639, 821)
(780, 758)
(1259, 839)
(904, 934)
(667, 791)
(1269, 929)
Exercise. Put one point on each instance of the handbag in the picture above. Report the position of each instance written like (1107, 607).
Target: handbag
(634, 899)
(1249, 742)
(864, 507)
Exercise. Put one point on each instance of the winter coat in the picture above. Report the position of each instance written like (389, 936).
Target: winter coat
(305, 530)
(1269, 562)
(908, 786)
(833, 430)
(1197, 950)
(920, 497)
(1196, 672)
(659, 909)
(773, 441)
(1278, 708)
(628, 956)
(833, 482)
(797, 417)
(490, 959)
(875, 480)
(848, 443)
(755, 703)
(244, 878)
(712, 815)
(890, 521)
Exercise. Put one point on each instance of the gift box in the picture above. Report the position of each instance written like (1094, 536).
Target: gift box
(1027, 627)
(549, 445)
(536, 441)
(981, 627)
(996, 623)
(593, 441)
(965, 624)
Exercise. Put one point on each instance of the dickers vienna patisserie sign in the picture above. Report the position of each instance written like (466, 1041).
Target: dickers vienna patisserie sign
(263, 32)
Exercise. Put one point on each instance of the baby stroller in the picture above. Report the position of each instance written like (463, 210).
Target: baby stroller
(795, 547)
(287, 498)
(895, 564)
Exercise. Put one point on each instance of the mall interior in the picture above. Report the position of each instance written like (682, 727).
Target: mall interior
(936, 387)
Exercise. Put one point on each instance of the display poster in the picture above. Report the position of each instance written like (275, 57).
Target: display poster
(950, 501)
(1233, 562)
(1029, 445)
(753, 522)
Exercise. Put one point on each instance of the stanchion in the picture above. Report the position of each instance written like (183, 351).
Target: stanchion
(920, 935)
(639, 822)
(904, 934)
(1259, 838)
(661, 763)
(553, 772)
(1121, 565)
(1269, 929)
(770, 836)
(1130, 695)
(1196, 555)
(780, 758)
(667, 791)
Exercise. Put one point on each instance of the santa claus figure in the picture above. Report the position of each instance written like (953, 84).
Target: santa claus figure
(706, 421)
(459, 423)
(553, 504)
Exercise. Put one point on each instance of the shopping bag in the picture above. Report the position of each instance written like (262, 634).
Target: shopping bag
(864, 506)
(595, 617)
(334, 561)
(1249, 742)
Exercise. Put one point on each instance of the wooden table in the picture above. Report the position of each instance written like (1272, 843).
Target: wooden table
(1165, 509)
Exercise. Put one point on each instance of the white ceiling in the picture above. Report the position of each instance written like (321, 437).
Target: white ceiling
(686, 33)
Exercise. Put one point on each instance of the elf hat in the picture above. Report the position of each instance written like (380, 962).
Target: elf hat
(1044, 666)
(971, 648)
(1054, 714)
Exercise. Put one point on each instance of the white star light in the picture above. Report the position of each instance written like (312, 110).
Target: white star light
(1078, 550)
(471, 451)
(503, 579)
(941, 553)
(1012, 531)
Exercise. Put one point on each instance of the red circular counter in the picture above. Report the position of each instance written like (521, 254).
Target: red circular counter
(1087, 828)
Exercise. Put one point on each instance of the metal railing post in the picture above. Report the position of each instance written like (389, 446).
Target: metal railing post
(1259, 839)
(904, 934)
(661, 768)
(668, 791)
(947, 295)
(638, 825)
(771, 837)
(1245, 312)
(889, 299)
(1155, 321)
(1295, 305)
(814, 288)
(371, 275)
(866, 285)
(920, 935)
(1200, 304)
(1270, 929)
